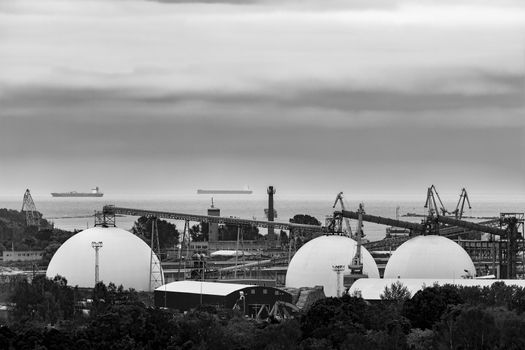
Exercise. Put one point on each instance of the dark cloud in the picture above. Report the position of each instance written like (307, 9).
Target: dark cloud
(117, 123)
(365, 4)
(500, 91)
(234, 2)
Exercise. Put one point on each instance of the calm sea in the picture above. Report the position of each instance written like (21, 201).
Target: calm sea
(77, 213)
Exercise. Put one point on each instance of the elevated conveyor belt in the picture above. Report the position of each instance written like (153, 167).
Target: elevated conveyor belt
(109, 209)
(384, 221)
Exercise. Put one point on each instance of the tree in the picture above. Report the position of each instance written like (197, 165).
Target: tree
(198, 234)
(396, 292)
(467, 327)
(43, 300)
(334, 318)
(230, 232)
(426, 306)
(283, 237)
(419, 339)
(300, 235)
(168, 234)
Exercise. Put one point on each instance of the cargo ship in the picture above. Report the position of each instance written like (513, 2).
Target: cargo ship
(95, 192)
(200, 191)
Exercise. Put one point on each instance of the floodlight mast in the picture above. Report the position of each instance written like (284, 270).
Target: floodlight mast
(96, 246)
(338, 269)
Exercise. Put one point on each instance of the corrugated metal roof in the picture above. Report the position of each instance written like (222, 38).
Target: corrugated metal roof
(372, 288)
(208, 288)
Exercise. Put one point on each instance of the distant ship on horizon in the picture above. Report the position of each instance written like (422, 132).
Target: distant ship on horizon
(201, 191)
(95, 192)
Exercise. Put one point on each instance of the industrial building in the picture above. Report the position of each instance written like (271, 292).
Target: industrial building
(22, 255)
(253, 300)
(123, 259)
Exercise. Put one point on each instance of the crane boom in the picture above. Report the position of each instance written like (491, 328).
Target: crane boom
(463, 197)
(384, 221)
(339, 199)
(431, 203)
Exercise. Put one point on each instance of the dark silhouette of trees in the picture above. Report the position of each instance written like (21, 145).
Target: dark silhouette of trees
(301, 236)
(458, 318)
(428, 305)
(43, 300)
(467, 327)
(229, 232)
(168, 234)
(396, 292)
(199, 233)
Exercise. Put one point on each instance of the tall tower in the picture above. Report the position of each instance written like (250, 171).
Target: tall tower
(156, 278)
(213, 227)
(32, 215)
(338, 269)
(96, 246)
(271, 192)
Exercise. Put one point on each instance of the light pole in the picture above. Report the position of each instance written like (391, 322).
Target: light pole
(202, 261)
(338, 269)
(96, 246)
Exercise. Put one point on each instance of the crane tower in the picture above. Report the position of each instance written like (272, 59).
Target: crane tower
(32, 215)
(156, 278)
(348, 231)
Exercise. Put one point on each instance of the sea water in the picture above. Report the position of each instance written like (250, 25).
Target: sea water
(77, 213)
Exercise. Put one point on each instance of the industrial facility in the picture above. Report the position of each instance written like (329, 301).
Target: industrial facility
(263, 272)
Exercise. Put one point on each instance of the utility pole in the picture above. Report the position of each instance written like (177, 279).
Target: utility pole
(96, 246)
(181, 250)
(237, 250)
(202, 262)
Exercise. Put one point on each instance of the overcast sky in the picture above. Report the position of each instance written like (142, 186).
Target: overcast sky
(164, 97)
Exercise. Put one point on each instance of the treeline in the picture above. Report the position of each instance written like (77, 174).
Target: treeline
(14, 233)
(47, 316)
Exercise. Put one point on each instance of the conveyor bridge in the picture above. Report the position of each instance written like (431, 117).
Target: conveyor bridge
(113, 210)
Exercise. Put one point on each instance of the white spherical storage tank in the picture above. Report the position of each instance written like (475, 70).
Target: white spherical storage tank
(312, 264)
(429, 257)
(124, 259)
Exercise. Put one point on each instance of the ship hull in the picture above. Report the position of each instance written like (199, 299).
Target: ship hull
(224, 192)
(77, 194)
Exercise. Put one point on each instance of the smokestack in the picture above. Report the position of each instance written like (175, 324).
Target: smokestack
(213, 227)
(271, 192)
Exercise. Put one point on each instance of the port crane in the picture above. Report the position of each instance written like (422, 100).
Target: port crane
(431, 203)
(356, 266)
(463, 197)
(508, 230)
(339, 199)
